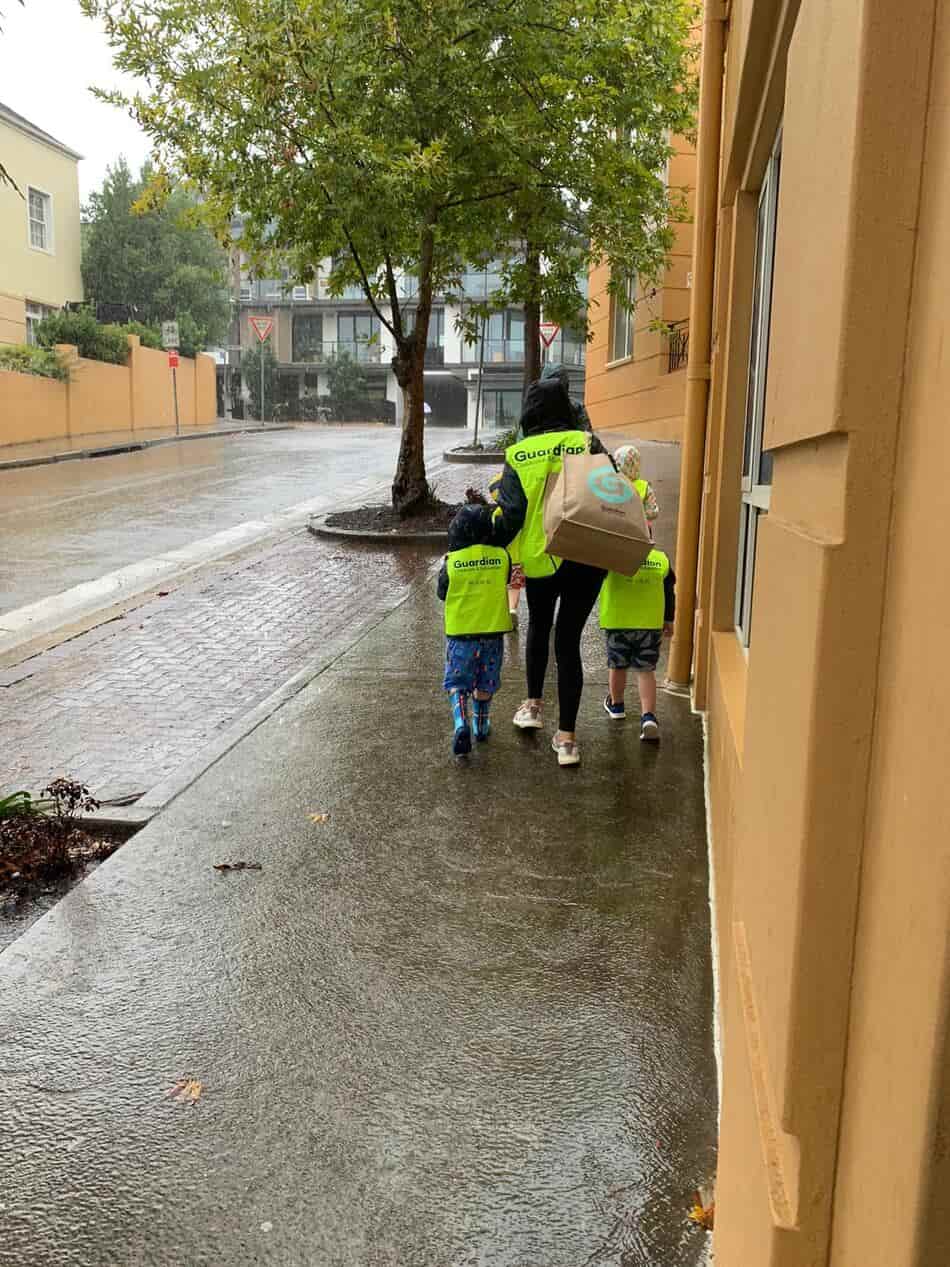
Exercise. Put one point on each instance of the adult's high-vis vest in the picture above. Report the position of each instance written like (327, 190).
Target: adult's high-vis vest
(477, 599)
(533, 460)
(638, 601)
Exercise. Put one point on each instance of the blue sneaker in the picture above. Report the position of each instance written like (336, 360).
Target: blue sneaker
(462, 743)
(649, 729)
(616, 711)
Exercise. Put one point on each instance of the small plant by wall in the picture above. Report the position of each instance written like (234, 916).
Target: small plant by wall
(21, 358)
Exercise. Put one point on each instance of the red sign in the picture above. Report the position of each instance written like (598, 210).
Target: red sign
(262, 326)
(173, 360)
(549, 332)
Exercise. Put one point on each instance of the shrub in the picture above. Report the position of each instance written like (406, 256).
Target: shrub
(95, 342)
(149, 335)
(23, 359)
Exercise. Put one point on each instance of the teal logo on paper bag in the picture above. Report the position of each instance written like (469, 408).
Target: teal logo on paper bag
(606, 484)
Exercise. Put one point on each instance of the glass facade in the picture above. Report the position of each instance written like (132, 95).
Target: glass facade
(308, 337)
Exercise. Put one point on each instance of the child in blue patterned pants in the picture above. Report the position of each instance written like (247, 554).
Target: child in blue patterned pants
(473, 584)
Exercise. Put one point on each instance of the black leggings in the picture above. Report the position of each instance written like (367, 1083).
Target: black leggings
(577, 586)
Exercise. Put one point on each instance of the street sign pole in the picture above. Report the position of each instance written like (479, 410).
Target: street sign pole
(170, 341)
(262, 327)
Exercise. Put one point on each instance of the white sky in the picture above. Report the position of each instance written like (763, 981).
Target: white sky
(50, 55)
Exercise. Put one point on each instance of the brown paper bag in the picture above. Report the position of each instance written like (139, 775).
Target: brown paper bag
(593, 514)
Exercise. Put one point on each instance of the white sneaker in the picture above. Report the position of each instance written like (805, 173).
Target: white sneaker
(567, 751)
(529, 716)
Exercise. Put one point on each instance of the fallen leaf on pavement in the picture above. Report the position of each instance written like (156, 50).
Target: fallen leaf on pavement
(236, 866)
(704, 1210)
(185, 1091)
(319, 818)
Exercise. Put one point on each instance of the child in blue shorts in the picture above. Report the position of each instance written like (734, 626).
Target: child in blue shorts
(473, 584)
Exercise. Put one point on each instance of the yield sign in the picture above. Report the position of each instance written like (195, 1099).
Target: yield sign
(549, 331)
(262, 326)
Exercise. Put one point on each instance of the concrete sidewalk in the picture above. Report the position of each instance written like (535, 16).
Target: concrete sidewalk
(465, 1021)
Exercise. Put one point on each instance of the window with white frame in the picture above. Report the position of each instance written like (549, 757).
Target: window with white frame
(621, 324)
(40, 208)
(34, 315)
(757, 464)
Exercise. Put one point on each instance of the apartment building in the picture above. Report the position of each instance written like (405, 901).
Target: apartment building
(312, 329)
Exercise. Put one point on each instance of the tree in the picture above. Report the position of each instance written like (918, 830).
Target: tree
(347, 383)
(251, 375)
(414, 135)
(155, 257)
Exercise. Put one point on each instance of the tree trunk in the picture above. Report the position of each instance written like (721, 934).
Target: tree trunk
(410, 486)
(532, 319)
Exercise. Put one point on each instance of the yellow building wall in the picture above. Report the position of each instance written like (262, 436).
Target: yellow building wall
(638, 394)
(53, 277)
(12, 319)
(828, 810)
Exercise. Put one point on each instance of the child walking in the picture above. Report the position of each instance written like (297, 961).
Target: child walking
(636, 612)
(627, 458)
(473, 584)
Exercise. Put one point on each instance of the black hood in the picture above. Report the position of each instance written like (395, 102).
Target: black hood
(470, 527)
(547, 407)
(554, 369)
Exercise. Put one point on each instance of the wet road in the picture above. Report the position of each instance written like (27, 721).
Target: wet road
(70, 522)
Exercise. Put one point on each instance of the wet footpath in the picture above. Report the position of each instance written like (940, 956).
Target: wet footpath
(460, 1016)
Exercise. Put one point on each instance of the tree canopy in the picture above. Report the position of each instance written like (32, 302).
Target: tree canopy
(417, 135)
(156, 257)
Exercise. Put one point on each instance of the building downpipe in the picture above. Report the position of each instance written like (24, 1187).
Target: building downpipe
(698, 369)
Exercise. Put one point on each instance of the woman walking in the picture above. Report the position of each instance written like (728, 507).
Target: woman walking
(559, 592)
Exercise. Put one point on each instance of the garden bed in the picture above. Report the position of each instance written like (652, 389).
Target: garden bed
(436, 518)
(382, 523)
(46, 848)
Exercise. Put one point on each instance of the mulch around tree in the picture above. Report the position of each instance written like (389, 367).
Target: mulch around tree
(435, 517)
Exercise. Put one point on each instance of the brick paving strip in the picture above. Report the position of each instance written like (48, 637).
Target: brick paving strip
(128, 704)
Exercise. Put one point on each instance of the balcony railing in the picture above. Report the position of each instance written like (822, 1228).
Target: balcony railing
(497, 352)
(511, 352)
(567, 353)
(325, 353)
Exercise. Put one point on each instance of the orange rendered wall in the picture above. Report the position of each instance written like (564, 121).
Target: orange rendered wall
(637, 394)
(829, 737)
(98, 398)
(897, 1087)
(31, 408)
(103, 398)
